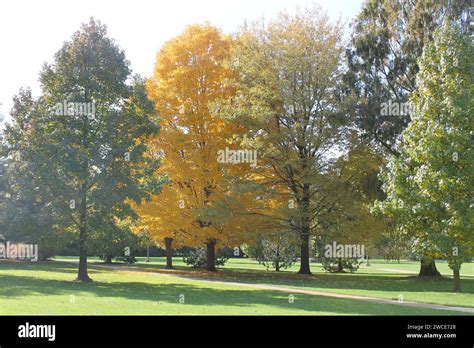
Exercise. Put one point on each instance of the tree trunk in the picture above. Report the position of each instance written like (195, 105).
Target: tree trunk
(108, 259)
(456, 280)
(304, 266)
(277, 266)
(340, 267)
(305, 229)
(169, 253)
(82, 275)
(211, 256)
(428, 268)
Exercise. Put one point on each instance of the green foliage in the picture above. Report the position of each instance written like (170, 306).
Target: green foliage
(388, 38)
(393, 246)
(86, 167)
(113, 241)
(292, 118)
(197, 257)
(278, 251)
(430, 187)
(25, 213)
(333, 265)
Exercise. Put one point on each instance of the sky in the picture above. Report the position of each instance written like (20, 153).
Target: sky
(32, 31)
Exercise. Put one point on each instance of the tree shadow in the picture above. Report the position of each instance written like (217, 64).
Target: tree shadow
(382, 281)
(45, 266)
(203, 296)
(370, 282)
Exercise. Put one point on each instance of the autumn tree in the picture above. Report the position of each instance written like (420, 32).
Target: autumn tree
(163, 222)
(189, 76)
(287, 98)
(430, 187)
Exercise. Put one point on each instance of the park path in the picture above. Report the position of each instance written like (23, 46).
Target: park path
(395, 270)
(294, 291)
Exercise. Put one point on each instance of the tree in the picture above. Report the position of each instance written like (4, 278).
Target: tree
(393, 245)
(197, 257)
(162, 222)
(430, 187)
(26, 215)
(114, 241)
(353, 187)
(86, 136)
(287, 99)
(387, 40)
(357, 188)
(189, 75)
(277, 251)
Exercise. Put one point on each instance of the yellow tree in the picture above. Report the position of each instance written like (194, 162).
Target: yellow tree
(189, 77)
(162, 222)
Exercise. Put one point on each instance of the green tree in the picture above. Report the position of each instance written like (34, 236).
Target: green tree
(430, 187)
(287, 89)
(388, 38)
(26, 216)
(88, 156)
(277, 251)
(114, 240)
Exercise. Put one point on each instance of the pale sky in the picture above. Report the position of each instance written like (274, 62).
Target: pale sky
(32, 31)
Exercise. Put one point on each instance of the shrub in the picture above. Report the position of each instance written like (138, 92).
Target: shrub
(334, 265)
(277, 252)
(197, 257)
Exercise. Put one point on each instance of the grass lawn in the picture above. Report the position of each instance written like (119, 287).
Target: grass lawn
(377, 280)
(380, 279)
(46, 288)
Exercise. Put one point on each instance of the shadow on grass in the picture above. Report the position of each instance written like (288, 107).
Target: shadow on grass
(372, 282)
(350, 281)
(17, 286)
(45, 266)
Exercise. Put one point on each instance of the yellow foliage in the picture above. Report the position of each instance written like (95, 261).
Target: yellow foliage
(189, 76)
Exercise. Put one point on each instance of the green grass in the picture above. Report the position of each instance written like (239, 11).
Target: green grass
(373, 281)
(47, 289)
